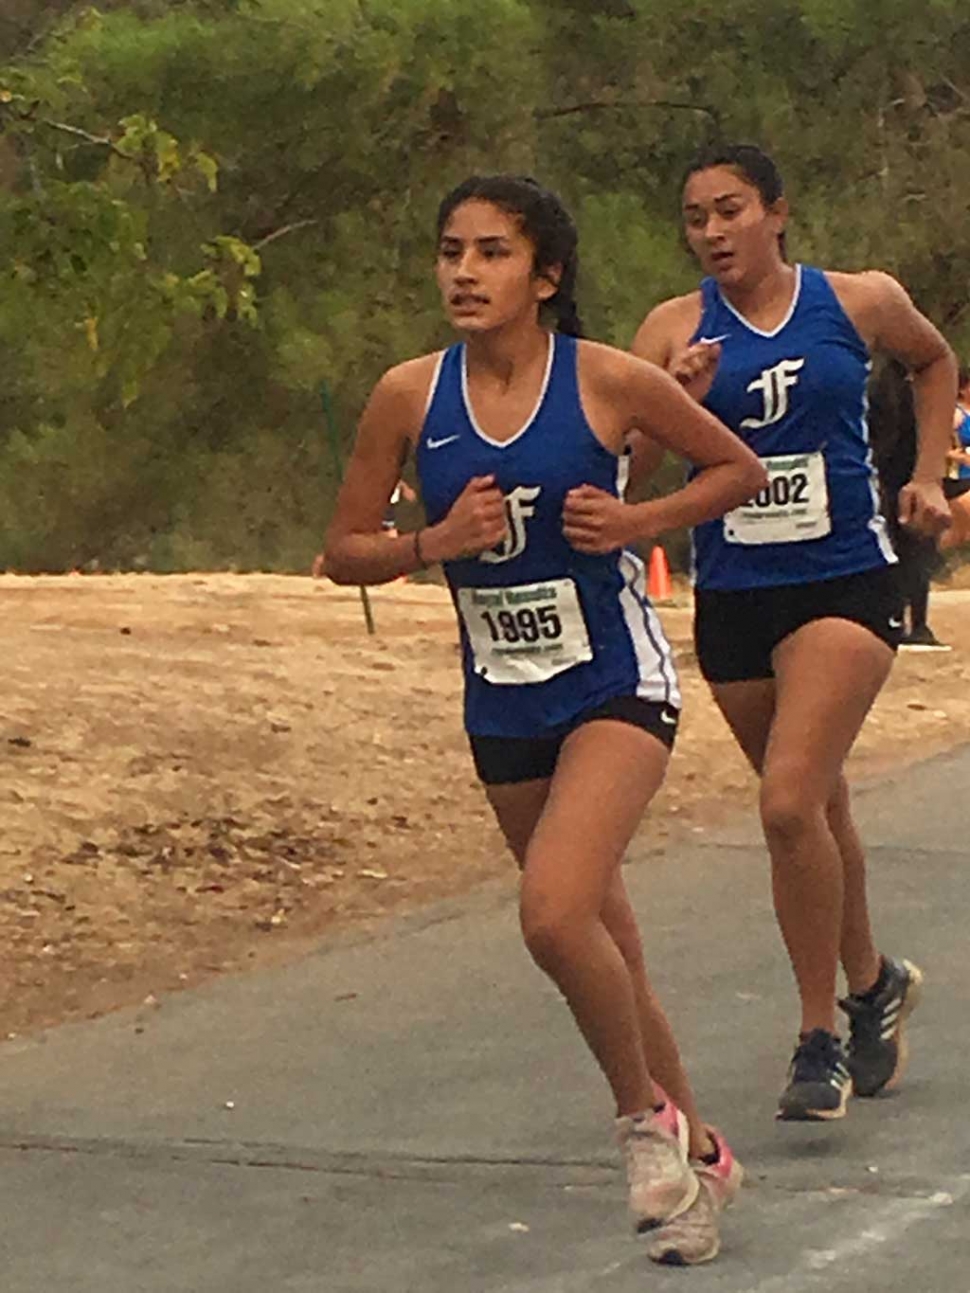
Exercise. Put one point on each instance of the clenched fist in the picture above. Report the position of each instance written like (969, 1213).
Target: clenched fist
(595, 521)
(475, 521)
(923, 508)
(695, 367)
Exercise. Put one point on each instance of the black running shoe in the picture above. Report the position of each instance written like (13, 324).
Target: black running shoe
(877, 1045)
(922, 639)
(818, 1080)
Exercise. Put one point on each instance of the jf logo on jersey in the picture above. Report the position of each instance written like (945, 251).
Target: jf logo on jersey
(773, 386)
(519, 506)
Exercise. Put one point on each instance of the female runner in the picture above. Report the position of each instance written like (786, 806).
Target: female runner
(571, 699)
(797, 612)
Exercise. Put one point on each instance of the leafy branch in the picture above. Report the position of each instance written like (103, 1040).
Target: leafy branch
(281, 233)
(618, 105)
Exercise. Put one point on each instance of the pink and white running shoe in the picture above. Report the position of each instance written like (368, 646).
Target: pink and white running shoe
(726, 1175)
(662, 1184)
(694, 1236)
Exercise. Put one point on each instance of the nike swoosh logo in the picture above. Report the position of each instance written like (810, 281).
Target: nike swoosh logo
(712, 341)
(666, 718)
(437, 444)
(895, 623)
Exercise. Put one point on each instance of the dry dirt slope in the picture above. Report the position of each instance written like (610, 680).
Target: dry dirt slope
(199, 773)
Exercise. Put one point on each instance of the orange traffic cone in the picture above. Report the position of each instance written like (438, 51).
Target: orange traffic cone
(658, 576)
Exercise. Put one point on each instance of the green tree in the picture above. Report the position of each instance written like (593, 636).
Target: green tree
(211, 210)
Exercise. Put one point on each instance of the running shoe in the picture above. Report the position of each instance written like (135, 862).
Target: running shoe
(877, 1050)
(818, 1080)
(694, 1236)
(661, 1182)
(922, 639)
(724, 1175)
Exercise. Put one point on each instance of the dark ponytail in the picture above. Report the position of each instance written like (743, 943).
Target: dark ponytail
(544, 221)
(563, 305)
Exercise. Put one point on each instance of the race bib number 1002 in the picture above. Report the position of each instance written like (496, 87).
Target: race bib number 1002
(524, 634)
(791, 508)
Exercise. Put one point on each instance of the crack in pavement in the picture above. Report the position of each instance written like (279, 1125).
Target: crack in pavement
(742, 846)
(288, 1158)
(441, 1168)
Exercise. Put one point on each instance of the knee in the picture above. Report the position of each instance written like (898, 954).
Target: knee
(789, 813)
(548, 930)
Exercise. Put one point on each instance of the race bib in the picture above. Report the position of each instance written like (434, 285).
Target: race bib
(528, 633)
(792, 507)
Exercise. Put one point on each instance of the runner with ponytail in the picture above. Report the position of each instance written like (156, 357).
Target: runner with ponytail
(571, 698)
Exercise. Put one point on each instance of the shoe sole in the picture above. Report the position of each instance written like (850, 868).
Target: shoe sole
(671, 1252)
(914, 994)
(722, 1192)
(817, 1115)
(906, 646)
(674, 1257)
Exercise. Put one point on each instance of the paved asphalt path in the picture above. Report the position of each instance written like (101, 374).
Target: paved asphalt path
(415, 1114)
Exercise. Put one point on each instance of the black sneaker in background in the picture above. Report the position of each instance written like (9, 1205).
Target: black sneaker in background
(922, 639)
(818, 1080)
(877, 1050)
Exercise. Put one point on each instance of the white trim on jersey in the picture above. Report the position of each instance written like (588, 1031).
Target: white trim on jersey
(760, 332)
(623, 473)
(502, 444)
(877, 526)
(432, 391)
(655, 662)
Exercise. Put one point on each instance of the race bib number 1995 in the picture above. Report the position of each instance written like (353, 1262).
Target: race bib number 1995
(792, 507)
(528, 633)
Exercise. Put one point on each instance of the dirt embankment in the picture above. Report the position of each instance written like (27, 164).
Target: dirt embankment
(200, 773)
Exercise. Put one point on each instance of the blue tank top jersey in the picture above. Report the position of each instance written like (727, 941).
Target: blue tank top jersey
(546, 632)
(962, 439)
(797, 397)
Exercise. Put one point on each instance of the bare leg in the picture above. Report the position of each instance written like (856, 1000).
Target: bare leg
(518, 809)
(656, 1035)
(606, 776)
(828, 674)
(858, 952)
(749, 708)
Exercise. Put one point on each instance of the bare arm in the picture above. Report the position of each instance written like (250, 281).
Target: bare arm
(646, 455)
(910, 336)
(661, 339)
(888, 320)
(729, 473)
(358, 550)
(654, 338)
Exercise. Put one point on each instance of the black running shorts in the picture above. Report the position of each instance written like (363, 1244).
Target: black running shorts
(504, 760)
(735, 633)
(954, 488)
